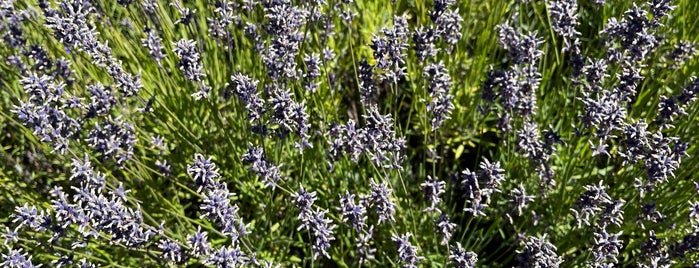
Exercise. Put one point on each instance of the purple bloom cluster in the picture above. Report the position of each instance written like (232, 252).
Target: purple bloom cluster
(390, 49)
(11, 25)
(352, 213)
(94, 210)
(479, 188)
(284, 22)
(246, 89)
(539, 150)
(538, 252)
(314, 222)
(102, 99)
(515, 88)
(264, 169)
(113, 139)
(407, 253)
(431, 189)
(595, 202)
(380, 200)
(190, 64)
(172, 252)
(365, 251)
(672, 107)
(564, 19)
(17, 259)
(445, 228)
(224, 15)
(424, 43)
(367, 89)
(45, 111)
(633, 35)
(440, 104)
(216, 205)
(447, 27)
(70, 25)
(313, 65)
(447, 22)
(154, 45)
(461, 258)
(683, 51)
(198, 244)
(186, 14)
(291, 117)
(376, 140)
(519, 200)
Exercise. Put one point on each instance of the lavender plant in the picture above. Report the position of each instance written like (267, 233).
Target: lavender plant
(348, 133)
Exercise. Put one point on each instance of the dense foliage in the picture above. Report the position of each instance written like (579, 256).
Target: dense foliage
(342, 133)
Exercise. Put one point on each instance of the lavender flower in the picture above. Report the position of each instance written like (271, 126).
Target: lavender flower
(149, 6)
(538, 252)
(519, 199)
(10, 235)
(367, 89)
(198, 244)
(380, 200)
(44, 111)
(461, 258)
(109, 215)
(564, 20)
(523, 48)
(671, 107)
(303, 201)
(424, 39)
(186, 14)
(590, 203)
(216, 205)
(163, 167)
(31, 217)
(172, 252)
(470, 186)
(378, 140)
(224, 16)
(102, 100)
(353, 214)
(284, 22)
(264, 169)
(389, 49)
(605, 248)
(407, 253)
(113, 139)
(431, 189)
(365, 251)
(11, 25)
(227, 256)
(246, 90)
(440, 105)
(154, 45)
(322, 230)
(204, 172)
(189, 64)
(683, 51)
(449, 27)
(314, 221)
(445, 228)
(70, 25)
(17, 259)
(312, 71)
(291, 117)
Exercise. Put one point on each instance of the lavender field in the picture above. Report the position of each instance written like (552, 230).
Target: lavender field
(349, 133)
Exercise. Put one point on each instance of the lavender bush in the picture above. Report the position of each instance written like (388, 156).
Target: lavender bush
(348, 133)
